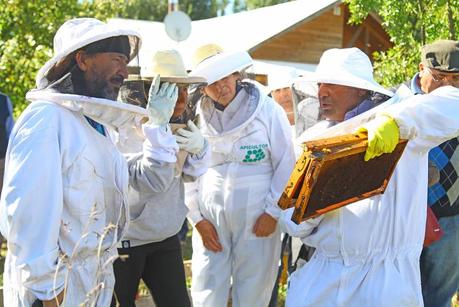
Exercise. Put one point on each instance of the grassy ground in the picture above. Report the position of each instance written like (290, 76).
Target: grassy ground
(187, 250)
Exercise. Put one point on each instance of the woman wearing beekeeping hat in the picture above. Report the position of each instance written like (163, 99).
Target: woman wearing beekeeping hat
(234, 209)
(156, 202)
(64, 201)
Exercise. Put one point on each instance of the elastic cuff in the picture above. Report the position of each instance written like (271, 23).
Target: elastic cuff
(274, 211)
(39, 276)
(202, 153)
(194, 217)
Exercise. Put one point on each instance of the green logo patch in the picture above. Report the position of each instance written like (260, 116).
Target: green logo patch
(254, 155)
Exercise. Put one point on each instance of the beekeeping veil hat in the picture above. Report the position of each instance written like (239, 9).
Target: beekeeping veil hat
(92, 34)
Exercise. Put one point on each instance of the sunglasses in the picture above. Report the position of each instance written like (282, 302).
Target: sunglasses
(436, 77)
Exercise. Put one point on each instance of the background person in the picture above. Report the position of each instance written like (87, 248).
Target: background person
(440, 260)
(6, 125)
(280, 85)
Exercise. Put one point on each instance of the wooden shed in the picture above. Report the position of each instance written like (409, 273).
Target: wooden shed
(305, 41)
(292, 34)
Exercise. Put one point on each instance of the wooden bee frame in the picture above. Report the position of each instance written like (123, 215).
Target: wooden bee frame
(332, 173)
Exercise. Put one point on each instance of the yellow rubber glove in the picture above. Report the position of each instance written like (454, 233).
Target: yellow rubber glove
(383, 135)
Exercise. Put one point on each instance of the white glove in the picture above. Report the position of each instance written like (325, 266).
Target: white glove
(302, 230)
(161, 102)
(190, 139)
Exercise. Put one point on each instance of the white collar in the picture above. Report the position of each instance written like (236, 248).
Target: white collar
(114, 114)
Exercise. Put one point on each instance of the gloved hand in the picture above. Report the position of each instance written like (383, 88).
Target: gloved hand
(383, 136)
(161, 101)
(190, 139)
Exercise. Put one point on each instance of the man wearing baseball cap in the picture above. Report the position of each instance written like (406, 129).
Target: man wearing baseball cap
(440, 261)
(439, 61)
(63, 206)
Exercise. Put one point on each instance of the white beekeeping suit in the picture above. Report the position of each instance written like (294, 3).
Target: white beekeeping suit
(63, 206)
(367, 253)
(252, 157)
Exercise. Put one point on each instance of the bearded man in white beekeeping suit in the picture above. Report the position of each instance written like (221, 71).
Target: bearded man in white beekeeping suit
(63, 206)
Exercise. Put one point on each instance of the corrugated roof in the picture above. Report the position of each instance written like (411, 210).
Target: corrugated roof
(239, 31)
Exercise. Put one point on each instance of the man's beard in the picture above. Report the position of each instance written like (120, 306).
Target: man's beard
(93, 86)
(100, 88)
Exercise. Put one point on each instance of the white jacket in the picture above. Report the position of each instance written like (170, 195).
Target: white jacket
(64, 204)
(367, 253)
(261, 132)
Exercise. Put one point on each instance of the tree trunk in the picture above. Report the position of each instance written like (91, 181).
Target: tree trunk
(423, 28)
(452, 29)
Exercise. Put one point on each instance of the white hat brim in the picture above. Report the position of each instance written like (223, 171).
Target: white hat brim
(347, 80)
(280, 85)
(179, 79)
(188, 80)
(221, 65)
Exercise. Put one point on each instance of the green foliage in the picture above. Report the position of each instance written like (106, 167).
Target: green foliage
(156, 10)
(202, 9)
(187, 249)
(253, 4)
(144, 9)
(188, 282)
(396, 65)
(242, 5)
(282, 295)
(238, 6)
(410, 24)
(26, 34)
